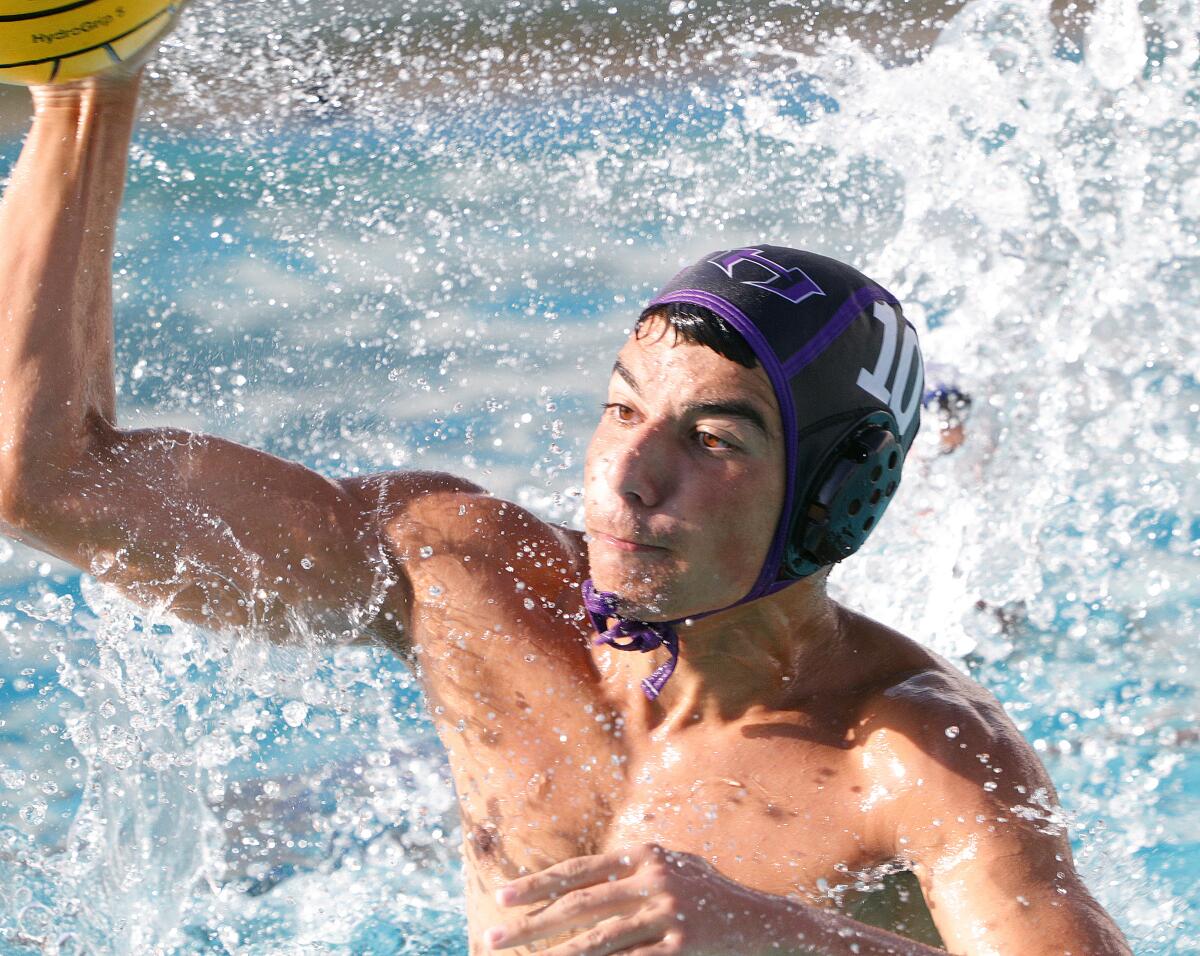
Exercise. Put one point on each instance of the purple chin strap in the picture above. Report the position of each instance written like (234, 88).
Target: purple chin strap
(645, 636)
(631, 635)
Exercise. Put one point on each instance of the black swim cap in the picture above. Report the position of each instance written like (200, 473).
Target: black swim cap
(840, 356)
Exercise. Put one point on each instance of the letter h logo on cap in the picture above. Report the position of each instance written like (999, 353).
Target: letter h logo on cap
(792, 284)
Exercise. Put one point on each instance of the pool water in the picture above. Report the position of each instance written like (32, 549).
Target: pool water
(387, 262)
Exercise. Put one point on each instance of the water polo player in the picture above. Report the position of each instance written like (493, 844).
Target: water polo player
(717, 793)
(952, 407)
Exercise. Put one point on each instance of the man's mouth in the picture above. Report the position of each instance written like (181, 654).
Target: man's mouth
(629, 544)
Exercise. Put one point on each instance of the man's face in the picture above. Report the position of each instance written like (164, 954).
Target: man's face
(684, 478)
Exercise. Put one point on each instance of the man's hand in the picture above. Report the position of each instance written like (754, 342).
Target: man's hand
(645, 900)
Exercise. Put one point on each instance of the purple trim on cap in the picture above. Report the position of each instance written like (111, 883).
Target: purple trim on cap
(787, 412)
(850, 310)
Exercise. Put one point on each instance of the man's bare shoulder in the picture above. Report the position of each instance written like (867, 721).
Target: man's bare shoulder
(388, 493)
(941, 723)
(961, 798)
(426, 509)
(439, 525)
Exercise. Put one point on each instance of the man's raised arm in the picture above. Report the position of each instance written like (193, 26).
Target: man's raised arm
(218, 532)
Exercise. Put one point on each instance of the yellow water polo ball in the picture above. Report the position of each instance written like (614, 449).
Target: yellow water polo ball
(53, 41)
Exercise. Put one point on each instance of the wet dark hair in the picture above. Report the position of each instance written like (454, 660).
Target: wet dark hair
(701, 326)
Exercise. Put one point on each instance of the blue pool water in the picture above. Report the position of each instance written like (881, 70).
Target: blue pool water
(375, 276)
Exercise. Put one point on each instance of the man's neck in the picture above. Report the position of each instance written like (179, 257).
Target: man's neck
(768, 653)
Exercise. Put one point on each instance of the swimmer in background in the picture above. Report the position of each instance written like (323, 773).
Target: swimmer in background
(795, 743)
(953, 407)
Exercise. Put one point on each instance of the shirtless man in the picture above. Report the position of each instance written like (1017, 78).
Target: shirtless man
(796, 743)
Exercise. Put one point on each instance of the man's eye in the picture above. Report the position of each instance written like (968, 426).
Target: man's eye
(622, 413)
(709, 440)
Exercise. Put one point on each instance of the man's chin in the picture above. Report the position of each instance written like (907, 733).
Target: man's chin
(638, 597)
(656, 599)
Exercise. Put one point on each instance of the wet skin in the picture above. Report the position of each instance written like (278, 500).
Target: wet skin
(797, 744)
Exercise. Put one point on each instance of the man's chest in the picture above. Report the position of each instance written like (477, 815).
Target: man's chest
(785, 826)
(546, 770)
(782, 814)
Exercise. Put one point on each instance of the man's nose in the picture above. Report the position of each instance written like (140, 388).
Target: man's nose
(639, 468)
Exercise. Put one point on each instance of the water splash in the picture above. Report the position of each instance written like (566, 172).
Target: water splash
(360, 248)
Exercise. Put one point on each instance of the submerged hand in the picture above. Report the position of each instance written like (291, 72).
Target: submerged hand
(645, 900)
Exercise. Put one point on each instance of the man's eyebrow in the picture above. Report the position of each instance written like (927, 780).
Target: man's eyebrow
(620, 369)
(732, 408)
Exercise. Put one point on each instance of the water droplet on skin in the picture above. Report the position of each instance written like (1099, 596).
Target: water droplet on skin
(426, 552)
(952, 732)
(435, 590)
(307, 563)
(990, 785)
(529, 605)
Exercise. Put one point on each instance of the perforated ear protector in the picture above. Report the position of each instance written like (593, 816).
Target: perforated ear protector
(848, 496)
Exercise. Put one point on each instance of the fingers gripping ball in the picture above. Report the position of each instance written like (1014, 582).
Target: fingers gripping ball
(54, 41)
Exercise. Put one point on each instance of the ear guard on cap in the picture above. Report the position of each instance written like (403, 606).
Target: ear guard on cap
(853, 488)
